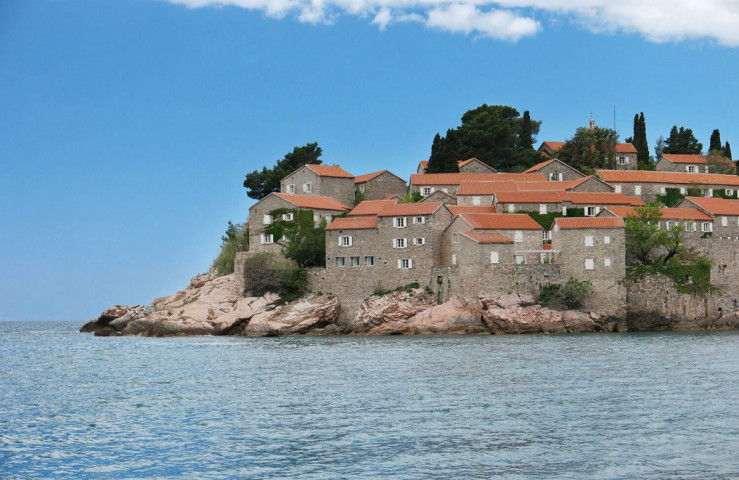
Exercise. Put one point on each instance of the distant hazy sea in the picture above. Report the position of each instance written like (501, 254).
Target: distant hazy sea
(643, 406)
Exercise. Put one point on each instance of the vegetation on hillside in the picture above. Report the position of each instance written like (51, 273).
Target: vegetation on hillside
(268, 272)
(573, 294)
(590, 149)
(236, 239)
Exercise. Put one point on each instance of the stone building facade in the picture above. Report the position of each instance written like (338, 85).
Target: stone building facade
(378, 185)
(692, 163)
(426, 184)
(647, 185)
(322, 180)
(556, 171)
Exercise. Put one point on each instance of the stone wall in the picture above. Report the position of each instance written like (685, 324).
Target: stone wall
(383, 185)
(339, 188)
(554, 169)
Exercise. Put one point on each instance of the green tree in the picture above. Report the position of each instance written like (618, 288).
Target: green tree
(715, 142)
(236, 239)
(641, 144)
(659, 148)
(590, 149)
(727, 151)
(643, 234)
(301, 238)
(268, 272)
(259, 184)
(494, 134)
(682, 141)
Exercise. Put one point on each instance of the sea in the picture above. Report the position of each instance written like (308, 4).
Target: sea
(576, 406)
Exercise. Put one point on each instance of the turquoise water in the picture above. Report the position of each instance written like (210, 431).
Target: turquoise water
(650, 406)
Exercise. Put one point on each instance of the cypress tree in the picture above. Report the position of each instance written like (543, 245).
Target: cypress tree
(715, 144)
(727, 151)
(443, 157)
(642, 145)
(526, 140)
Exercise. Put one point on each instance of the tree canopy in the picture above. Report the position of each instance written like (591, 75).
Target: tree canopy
(259, 184)
(301, 238)
(639, 140)
(495, 134)
(646, 243)
(682, 141)
(591, 148)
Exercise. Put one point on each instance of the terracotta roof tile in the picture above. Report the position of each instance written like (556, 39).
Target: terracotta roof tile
(500, 221)
(353, 223)
(539, 166)
(368, 176)
(330, 171)
(481, 237)
(529, 197)
(426, 208)
(553, 146)
(625, 148)
(567, 223)
(667, 213)
(696, 159)
(675, 178)
(603, 198)
(457, 209)
(457, 178)
(371, 207)
(716, 206)
(313, 201)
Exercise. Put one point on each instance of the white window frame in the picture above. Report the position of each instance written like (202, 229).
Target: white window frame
(291, 188)
(419, 241)
(454, 258)
(426, 191)
(288, 216)
(268, 239)
(267, 219)
(307, 188)
(724, 221)
(706, 227)
(405, 263)
(369, 261)
(400, 222)
(690, 168)
(361, 187)
(494, 258)
(589, 241)
(590, 211)
(476, 200)
(518, 236)
(622, 161)
(400, 242)
(637, 189)
(345, 241)
(662, 190)
(618, 188)
(606, 262)
(520, 259)
(341, 262)
(355, 261)
(589, 264)
(683, 191)
(606, 240)
(454, 238)
(669, 224)
(511, 208)
(542, 208)
(419, 220)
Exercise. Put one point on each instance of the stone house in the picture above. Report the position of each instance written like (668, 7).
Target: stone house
(260, 216)
(594, 250)
(322, 180)
(471, 165)
(378, 185)
(648, 184)
(690, 163)
(481, 193)
(560, 202)
(448, 183)
(625, 153)
(439, 196)
(556, 171)
(371, 207)
(525, 233)
(694, 221)
(723, 212)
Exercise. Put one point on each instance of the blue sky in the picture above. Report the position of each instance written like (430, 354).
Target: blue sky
(126, 127)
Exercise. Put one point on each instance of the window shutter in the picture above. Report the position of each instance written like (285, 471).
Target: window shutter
(561, 177)
(351, 241)
(410, 263)
(340, 240)
(400, 264)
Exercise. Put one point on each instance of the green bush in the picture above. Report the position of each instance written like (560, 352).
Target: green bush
(572, 294)
(268, 272)
(235, 240)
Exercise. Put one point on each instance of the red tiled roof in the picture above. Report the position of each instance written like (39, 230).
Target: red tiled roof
(353, 223)
(539, 166)
(676, 178)
(625, 148)
(368, 176)
(529, 197)
(567, 223)
(329, 171)
(500, 221)
(667, 213)
(716, 206)
(553, 146)
(371, 207)
(426, 208)
(392, 196)
(480, 237)
(457, 209)
(312, 201)
(457, 178)
(696, 159)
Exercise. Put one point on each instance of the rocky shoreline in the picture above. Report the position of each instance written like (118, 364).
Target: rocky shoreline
(210, 306)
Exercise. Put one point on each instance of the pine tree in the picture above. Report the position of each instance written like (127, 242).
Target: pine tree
(443, 157)
(682, 141)
(715, 143)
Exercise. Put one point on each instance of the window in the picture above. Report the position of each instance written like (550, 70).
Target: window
(607, 262)
(690, 168)
(546, 235)
(345, 241)
(328, 218)
(355, 261)
(454, 259)
(291, 188)
(589, 241)
(662, 190)
(669, 224)
(454, 238)
(689, 226)
(306, 188)
(419, 220)
(709, 192)
(419, 241)
(361, 187)
(340, 262)
(729, 192)
(520, 260)
(618, 188)
(564, 211)
(518, 236)
(590, 211)
(369, 261)
(475, 200)
(622, 161)
(399, 243)
(426, 191)
(637, 190)
(706, 227)
(682, 190)
(606, 240)
(542, 208)
(405, 263)
(284, 238)
(288, 216)
(267, 239)
(555, 177)
(399, 222)
(494, 257)
(724, 221)
(267, 219)
(511, 207)
(589, 264)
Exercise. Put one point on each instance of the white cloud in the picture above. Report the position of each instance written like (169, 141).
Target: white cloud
(655, 20)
